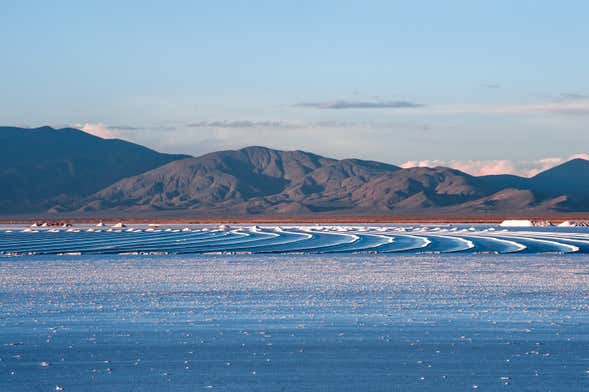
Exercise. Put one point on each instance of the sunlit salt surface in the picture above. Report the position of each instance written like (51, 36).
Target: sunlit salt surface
(295, 322)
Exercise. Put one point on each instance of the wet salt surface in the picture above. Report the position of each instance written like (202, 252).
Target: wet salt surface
(16, 240)
(295, 323)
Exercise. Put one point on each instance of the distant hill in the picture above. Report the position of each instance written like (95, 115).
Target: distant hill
(70, 172)
(44, 168)
(248, 181)
(498, 182)
(571, 179)
(257, 180)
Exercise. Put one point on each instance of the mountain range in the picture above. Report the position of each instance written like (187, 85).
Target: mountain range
(71, 173)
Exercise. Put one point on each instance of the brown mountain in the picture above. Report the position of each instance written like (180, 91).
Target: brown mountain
(251, 180)
(258, 180)
(70, 172)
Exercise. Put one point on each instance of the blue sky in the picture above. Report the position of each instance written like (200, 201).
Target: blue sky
(459, 82)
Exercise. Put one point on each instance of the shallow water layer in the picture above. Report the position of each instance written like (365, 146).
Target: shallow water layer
(16, 240)
(338, 322)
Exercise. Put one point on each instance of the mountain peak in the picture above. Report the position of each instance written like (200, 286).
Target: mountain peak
(41, 165)
(573, 164)
(570, 178)
(572, 168)
(44, 128)
(256, 148)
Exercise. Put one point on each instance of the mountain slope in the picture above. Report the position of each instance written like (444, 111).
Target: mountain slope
(419, 187)
(45, 167)
(569, 182)
(571, 177)
(497, 182)
(258, 180)
(254, 179)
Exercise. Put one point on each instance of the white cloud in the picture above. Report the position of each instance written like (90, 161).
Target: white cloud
(98, 129)
(343, 104)
(561, 107)
(501, 166)
(571, 107)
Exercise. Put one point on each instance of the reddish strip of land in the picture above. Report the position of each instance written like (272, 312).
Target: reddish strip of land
(293, 219)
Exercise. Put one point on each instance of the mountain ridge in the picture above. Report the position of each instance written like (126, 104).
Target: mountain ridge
(316, 184)
(259, 181)
(42, 167)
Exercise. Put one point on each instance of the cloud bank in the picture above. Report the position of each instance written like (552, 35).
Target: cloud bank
(342, 104)
(243, 124)
(492, 167)
(98, 129)
(573, 96)
(564, 104)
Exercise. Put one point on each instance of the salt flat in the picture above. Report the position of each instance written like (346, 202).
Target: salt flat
(294, 322)
(192, 239)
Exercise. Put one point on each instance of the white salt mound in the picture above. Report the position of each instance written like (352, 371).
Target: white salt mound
(517, 223)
